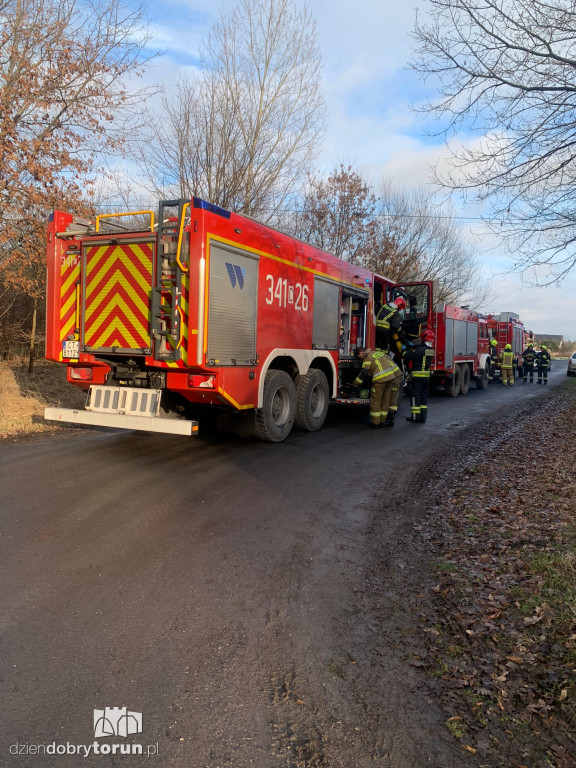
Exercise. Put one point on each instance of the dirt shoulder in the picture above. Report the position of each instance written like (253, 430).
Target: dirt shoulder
(23, 397)
(500, 616)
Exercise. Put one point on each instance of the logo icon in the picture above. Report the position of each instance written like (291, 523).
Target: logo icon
(116, 721)
(236, 274)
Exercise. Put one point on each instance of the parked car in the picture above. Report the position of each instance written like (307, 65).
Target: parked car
(571, 365)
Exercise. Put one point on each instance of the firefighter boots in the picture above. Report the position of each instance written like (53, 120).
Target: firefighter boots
(414, 418)
(390, 420)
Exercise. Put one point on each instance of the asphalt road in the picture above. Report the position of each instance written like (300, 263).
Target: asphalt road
(233, 592)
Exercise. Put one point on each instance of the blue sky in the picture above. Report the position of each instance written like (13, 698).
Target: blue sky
(366, 46)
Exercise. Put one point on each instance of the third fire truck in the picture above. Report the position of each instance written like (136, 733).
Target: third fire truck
(507, 328)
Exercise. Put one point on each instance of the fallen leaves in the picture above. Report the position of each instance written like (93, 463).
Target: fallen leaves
(503, 541)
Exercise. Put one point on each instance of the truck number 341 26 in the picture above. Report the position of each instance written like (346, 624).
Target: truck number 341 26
(280, 291)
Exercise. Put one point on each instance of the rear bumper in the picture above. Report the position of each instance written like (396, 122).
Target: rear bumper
(123, 421)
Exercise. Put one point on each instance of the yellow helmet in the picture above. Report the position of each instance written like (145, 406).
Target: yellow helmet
(543, 346)
(508, 346)
(493, 342)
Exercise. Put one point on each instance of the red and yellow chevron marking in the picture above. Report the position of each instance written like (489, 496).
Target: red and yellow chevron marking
(117, 302)
(70, 275)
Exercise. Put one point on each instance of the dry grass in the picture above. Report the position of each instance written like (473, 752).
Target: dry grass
(24, 396)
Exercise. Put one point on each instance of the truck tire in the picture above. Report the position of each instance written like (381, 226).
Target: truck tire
(464, 379)
(273, 422)
(453, 390)
(312, 400)
(482, 380)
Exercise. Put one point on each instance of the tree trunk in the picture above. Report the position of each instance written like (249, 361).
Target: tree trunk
(33, 337)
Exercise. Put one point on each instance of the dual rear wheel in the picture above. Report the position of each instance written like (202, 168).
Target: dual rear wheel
(460, 383)
(302, 402)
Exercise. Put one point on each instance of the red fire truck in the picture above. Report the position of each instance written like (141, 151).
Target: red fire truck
(201, 309)
(507, 328)
(204, 307)
(461, 340)
(461, 349)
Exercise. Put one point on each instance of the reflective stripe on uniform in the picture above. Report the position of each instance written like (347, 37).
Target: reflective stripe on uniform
(384, 322)
(390, 374)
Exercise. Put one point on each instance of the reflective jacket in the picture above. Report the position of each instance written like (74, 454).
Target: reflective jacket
(507, 359)
(543, 358)
(378, 366)
(419, 360)
(528, 356)
(388, 318)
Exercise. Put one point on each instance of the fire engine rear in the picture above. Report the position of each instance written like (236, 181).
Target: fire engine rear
(507, 328)
(202, 308)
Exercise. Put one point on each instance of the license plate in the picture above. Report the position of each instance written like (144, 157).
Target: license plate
(70, 349)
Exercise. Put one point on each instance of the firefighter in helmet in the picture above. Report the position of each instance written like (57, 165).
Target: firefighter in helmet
(507, 366)
(385, 377)
(493, 359)
(543, 361)
(528, 358)
(418, 360)
(388, 322)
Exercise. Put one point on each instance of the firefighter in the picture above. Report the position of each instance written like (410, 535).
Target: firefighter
(388, 322)
(528, 357)
(543, 361)
(507, 366)
(493, 359)
(385, 377)
(419, 358)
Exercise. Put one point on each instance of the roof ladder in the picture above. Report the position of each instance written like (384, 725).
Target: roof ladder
(167, 291)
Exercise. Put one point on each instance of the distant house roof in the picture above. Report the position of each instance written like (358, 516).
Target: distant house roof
(548, 337)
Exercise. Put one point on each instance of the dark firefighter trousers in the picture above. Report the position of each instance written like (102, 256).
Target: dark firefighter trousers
(528, 371)
(419, 398)
(384, 398)
(543, 371)
(493, 366)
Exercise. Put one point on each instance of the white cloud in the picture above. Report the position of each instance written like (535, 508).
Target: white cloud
(366, 47)
(543, 310)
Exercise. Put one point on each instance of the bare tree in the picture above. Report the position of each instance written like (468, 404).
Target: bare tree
(243, 131)
(338, 215)
(397, 234)
(437, 246)
(64, 67)
(505, 68)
